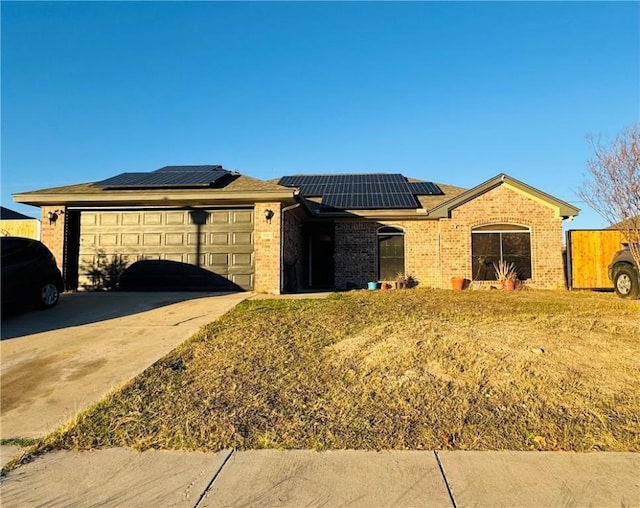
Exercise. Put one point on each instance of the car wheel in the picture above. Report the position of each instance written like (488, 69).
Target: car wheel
(626, 283)
(49, 295)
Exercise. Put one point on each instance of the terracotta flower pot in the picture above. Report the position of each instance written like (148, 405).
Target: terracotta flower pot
(509, 285)
(457, 283)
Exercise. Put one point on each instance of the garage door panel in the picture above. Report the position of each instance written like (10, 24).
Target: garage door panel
(88, 239)
(243, 280)
(243, 259)
(225, 241)
(109, 219)
(244, 216)
(192, 259)
(218, 239)
(108, 239)
(219, 259)
(152, 218)
(152, 239)
(174, 239)
(131, 218)
(88, 219)
(192, 239)
(176, 218)
(219, 217)
(130, 239)
(241, 238)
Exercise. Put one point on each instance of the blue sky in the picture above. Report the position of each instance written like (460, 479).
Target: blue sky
(452, 92)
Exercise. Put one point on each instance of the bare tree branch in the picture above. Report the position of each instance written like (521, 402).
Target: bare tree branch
(613, 186)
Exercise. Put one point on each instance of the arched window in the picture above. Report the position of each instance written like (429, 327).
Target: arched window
(494, 242)
(390, 252)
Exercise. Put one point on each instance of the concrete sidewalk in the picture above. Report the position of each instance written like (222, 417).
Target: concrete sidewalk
(121, 477)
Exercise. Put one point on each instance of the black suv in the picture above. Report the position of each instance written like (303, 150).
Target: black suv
(30, 275)
(623, 272)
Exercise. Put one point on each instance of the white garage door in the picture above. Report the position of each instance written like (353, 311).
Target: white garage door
(225, 241)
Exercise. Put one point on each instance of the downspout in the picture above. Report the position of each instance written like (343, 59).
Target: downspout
(282, 266)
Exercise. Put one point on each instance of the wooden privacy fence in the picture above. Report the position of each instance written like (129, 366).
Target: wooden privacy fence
(589, 253)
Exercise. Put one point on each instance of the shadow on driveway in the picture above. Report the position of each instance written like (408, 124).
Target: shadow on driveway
(75, 309)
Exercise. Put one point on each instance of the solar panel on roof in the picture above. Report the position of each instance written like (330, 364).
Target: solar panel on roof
(313, 189)
(122, 178)
(367, 201)
(424, 188)
(363, 191)
(188, 168)
(293, 181)
(160, 179)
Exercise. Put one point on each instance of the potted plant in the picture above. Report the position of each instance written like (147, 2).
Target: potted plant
(506, 274)
(400, 280)
(457, 283)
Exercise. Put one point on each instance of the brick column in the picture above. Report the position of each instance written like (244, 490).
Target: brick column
(267, 249)
(52, 235)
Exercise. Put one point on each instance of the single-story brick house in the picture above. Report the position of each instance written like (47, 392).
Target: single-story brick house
(306, 232)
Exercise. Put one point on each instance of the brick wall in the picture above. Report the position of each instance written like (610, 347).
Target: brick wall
(267, 249)
(356, 253)
(504, 205)
(52, 235)
(437, 250)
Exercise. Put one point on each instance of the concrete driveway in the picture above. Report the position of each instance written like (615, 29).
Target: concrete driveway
(58, 362)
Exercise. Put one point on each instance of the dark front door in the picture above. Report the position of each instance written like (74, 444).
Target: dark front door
(320, 256)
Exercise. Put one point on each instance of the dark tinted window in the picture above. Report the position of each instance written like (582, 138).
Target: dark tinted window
(489, 247)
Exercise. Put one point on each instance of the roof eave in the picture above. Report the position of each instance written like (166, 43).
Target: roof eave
(151, 198)
(443, 210)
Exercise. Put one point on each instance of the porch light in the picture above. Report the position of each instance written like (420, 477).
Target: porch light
(53, 216)
(268, 215)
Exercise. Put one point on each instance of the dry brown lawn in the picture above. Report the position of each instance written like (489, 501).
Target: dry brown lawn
(412, 369)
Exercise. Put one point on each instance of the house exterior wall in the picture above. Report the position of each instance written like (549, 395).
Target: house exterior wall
(267, 251)
(421, 252)
(504, 205)
(437, 250)
(356, 253)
